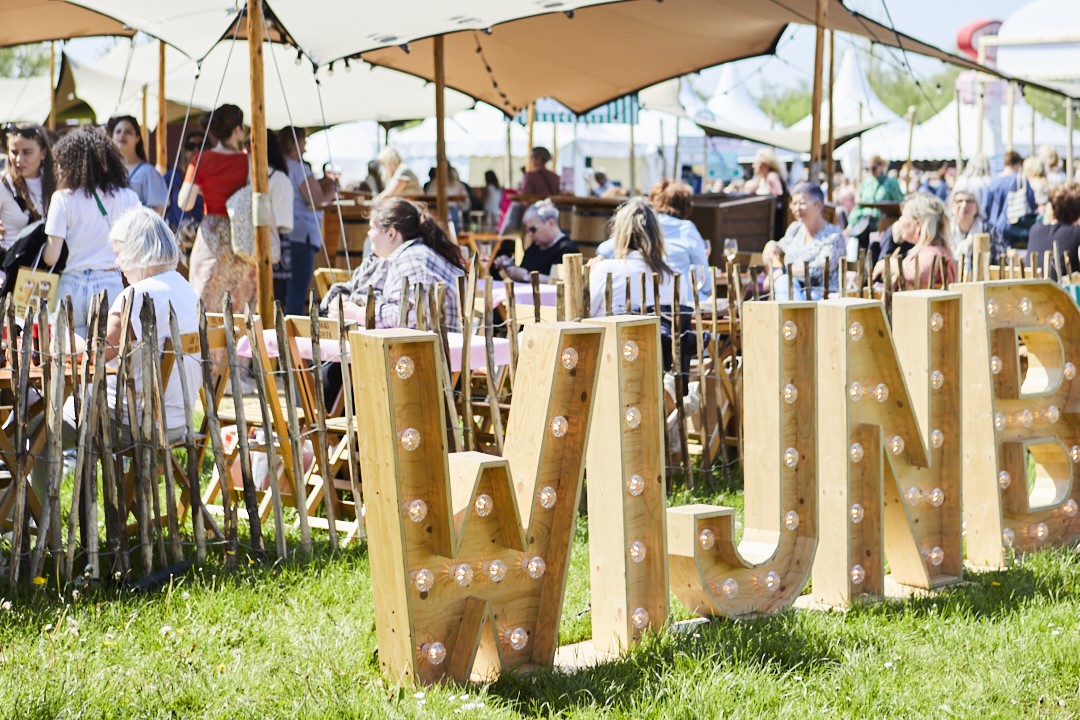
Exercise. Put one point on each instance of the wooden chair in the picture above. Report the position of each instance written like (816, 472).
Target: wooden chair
(325, 277)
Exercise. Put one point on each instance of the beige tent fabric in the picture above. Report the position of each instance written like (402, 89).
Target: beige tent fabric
(795, 140)
(31, 21)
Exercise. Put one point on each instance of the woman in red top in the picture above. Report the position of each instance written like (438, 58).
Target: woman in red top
(216, 174)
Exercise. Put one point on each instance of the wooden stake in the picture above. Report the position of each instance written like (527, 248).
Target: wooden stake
(213, 428)
(442, 181)
(329, 494)
(194, 490)
(296, 442)
(493, 395)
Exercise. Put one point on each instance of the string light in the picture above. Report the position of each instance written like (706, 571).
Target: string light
(896, 445)
(995, 365)
(1070, 508)
(913, 496)
(999, 421)
(991, 308)
(1069, 371)
(1053, 414)
(1039, 531)
(1026, 418)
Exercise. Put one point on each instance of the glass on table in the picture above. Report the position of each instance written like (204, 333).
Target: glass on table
(731, 249)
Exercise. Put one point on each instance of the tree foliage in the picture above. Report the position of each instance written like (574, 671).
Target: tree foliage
(899, 90)
(785, 105)
(24, 60)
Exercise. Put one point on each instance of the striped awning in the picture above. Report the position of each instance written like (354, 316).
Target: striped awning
(622, 111)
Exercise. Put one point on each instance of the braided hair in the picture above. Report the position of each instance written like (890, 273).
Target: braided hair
(88, 161)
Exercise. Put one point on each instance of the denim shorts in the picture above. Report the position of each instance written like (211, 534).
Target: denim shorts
(81, 286)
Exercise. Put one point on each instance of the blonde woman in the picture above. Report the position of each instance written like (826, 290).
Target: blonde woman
(639, 250)
(925, 224)
(398, 179)
(768, 178)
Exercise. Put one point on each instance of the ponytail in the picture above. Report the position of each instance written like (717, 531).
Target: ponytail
(414, 221)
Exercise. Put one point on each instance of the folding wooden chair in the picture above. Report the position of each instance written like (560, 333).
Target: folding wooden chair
(325, 277)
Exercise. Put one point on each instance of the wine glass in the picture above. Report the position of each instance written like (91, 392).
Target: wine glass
(731, 249)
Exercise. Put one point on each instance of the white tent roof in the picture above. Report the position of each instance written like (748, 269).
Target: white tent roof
(851, 89)
(24, 99)
(1040, 21)
(936, 138)
(731, 103)
(364, 93)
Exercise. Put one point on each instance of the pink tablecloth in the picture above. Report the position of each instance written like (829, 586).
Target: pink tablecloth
(331, 352)
(523, 294)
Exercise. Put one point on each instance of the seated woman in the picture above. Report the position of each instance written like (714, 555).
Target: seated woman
(1065, 203)
(398, 179)
(809, 239)
(639, 250)
(969, 220)
(549, 245)
(925, 224)
(408, 244)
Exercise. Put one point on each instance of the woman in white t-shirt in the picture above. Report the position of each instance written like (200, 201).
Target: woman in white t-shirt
(639, 250)
(146, 253)
(28, 182)
(93, 195)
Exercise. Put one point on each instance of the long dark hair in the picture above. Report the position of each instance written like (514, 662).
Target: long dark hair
(39, 135)
(89, 161)
(140, 149)
(414, 221)
(222, 122)
(274, 156)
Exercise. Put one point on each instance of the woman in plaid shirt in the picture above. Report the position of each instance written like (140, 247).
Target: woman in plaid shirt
(408, 243)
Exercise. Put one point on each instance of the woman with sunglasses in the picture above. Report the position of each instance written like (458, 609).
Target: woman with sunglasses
(968, 221)
(27, 184)
(549, 244)
(174, 179)
(143, 178)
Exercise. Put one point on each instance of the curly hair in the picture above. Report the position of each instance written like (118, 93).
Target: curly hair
(87, 160)
(671, 197)
(1065, 199)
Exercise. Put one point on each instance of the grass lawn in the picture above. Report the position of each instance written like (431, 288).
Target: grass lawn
(298, 640)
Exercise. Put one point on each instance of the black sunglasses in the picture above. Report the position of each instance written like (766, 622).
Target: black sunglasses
(532, 229)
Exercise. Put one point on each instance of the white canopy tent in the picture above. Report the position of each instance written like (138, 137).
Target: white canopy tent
(364, 93)
(1043, 24)
(732, 104)
(851, 91)
(25, 99)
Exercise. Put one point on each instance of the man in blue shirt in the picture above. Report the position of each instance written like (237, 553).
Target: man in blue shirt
(997, 200)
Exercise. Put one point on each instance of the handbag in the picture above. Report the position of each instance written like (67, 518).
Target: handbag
(1016, 203)
(242, 225)
(32, 284)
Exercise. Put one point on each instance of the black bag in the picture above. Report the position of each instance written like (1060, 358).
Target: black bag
(26, 252)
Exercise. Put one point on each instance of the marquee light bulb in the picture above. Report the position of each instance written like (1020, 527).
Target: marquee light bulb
(999, 421)
(640, 618)
(729, 588)
(632, 418)
(559, 426)
(913, 496)
(995, 365)
(706, 539)
(1039, 532)
(483, 505)
(1070, 508)
(855, 452)
(857, 513)
(936, 497)
(937, 438)
(410, 439)
(1004, 479)
(496, 570)
(791, 520)
(433, 652)
(1074, 453)
(791, 394)
(856, 391)
(936, 322)
(791, 457)
(937, 379)
(548, 496)
(935, 556)
(404, 367)
(1057, 321)
(1053, 414)
(1069, 371)
(896, 445)
(991, 308)
(1025, 306)
(790, 331)
(858, 574)
(462, 574)
(881, 392)
(569, 358)
(637, 551)
(771, 581)
(534, 567)
(517, 638)
(630, 351)
(416, 510)
(635, 485)
(1026, 418)
(1008, 537)
(423, 579)
(855, 331)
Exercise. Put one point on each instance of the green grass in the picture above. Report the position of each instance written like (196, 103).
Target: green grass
(297, 640)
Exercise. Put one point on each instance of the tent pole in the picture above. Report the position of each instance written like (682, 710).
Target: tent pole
(555, 147)
(633, 160)
(830, 162)
(52, 86)
(260, 184)
(509, 157)
(980, 89)
(1011, 94)
(959, 137)
(1069, 140)
(441, 179)
(144, 133)
(705, 163)
(532, 121)
(675, 154)
(815, 103)
(161, 135)
(1032, 130)
(910, 144)
(860, 144)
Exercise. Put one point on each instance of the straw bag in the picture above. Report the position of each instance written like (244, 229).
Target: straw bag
(241, 224)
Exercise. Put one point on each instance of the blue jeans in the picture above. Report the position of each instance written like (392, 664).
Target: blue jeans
(81, 286)
(302, 255)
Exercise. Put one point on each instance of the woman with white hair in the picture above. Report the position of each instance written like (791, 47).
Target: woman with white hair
(549, 245)
(146, 254)
(925, 224)
(399, 180)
